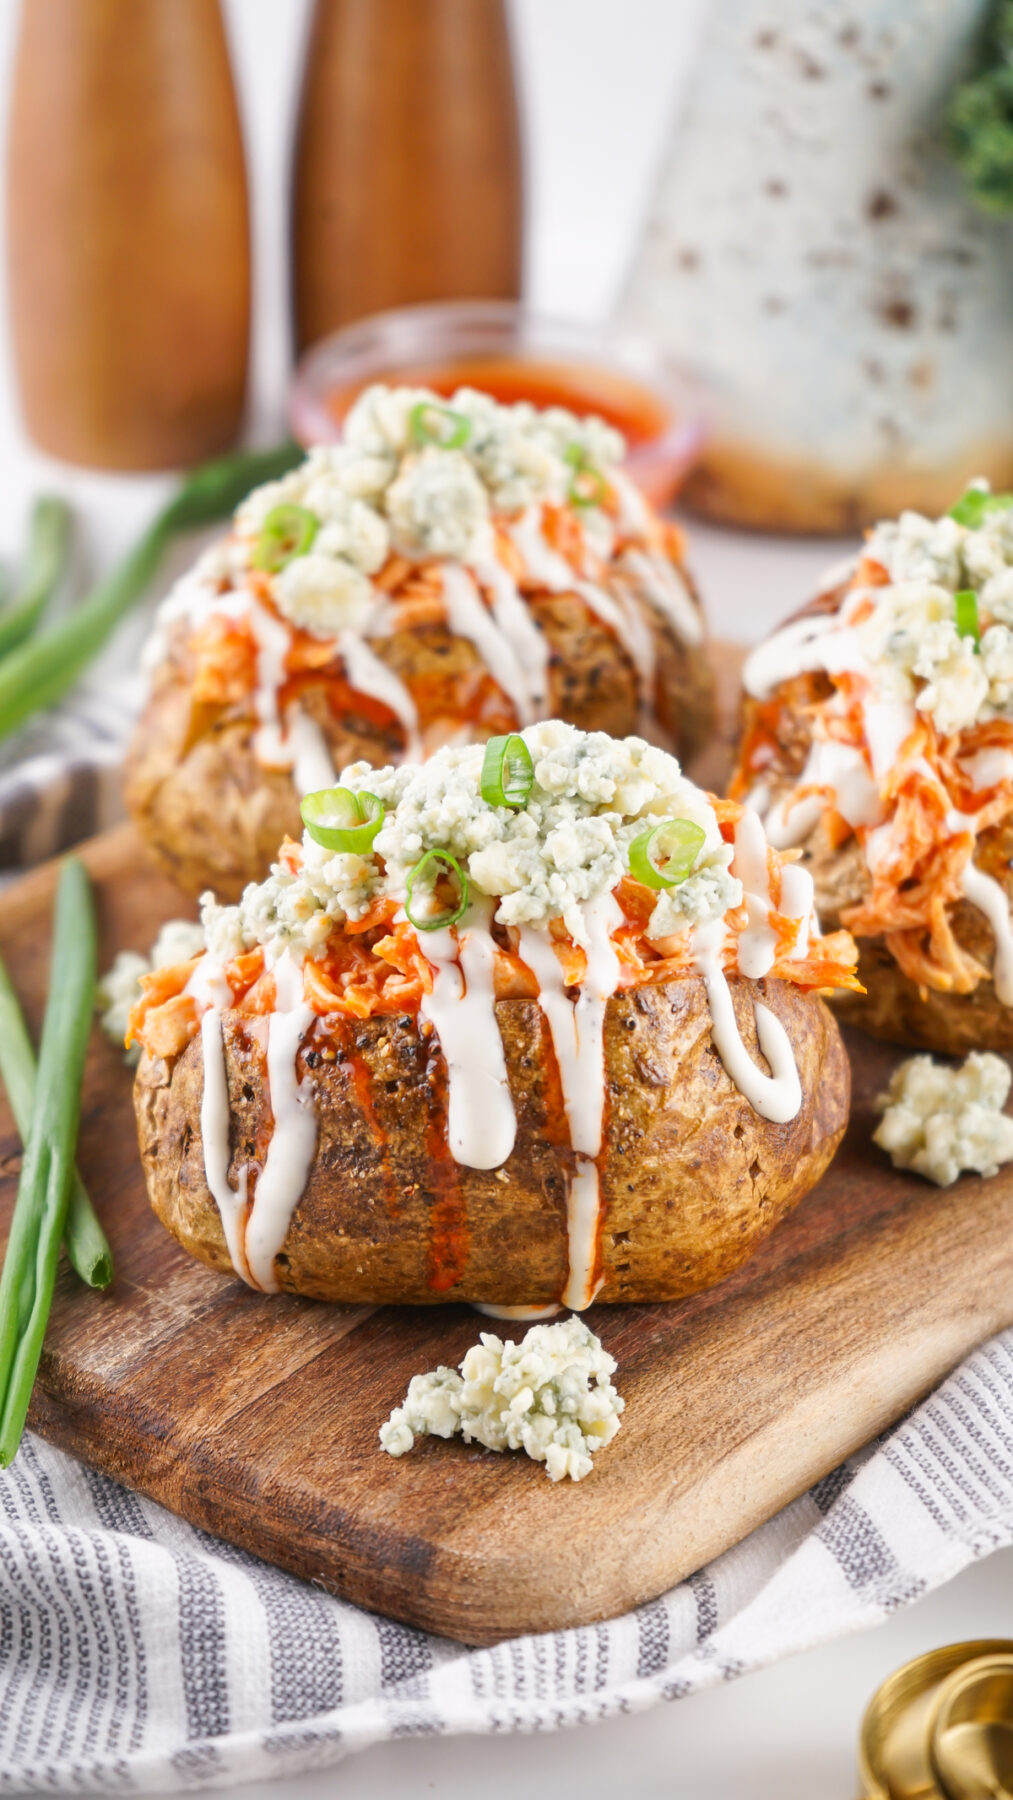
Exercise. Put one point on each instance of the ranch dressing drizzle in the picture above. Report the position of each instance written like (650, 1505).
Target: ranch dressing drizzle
(481, 1123)
(369, 675)
(621, 616)
(543, 564)
(313, 765)
(757, 944)
(797, 901)
(990, 898)
(986, 768)
(469, 617)
(215, 1127)
(514, 619)
(817, 641)
(777, 1096)
(293, 1140)
(666, 590)
(841, 770)
(529, 1315)
(634, 513)
(577, 1030)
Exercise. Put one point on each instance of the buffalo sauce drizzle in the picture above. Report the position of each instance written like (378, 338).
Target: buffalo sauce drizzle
(448, 1216)
(360, 1080)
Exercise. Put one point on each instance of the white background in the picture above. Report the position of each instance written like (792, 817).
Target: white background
(599, 80)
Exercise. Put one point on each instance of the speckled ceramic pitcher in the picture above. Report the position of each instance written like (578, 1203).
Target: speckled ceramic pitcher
(811, 248)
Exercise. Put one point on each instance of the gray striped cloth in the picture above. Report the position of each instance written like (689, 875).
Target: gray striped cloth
(138, 1654)
(63, 776)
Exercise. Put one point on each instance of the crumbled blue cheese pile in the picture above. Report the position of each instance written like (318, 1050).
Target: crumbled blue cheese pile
(120, 987)
(381, 490)
(590, 797)
(912, 637)
(939, 1121)
(551, 1395)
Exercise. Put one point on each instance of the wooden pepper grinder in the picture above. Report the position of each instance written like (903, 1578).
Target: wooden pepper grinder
(128, 238)
(407, 179)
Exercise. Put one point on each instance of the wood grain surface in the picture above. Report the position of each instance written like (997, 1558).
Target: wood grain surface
(257, 1418)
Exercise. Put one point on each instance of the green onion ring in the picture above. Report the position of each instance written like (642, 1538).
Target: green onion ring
(339, 819)
(287, 532)
(965, 607)
(507, 771)
(451, 433)
(664, 856)
(588, 487)
(975, 504)
(442, 862)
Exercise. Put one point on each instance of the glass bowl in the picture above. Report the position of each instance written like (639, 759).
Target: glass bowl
(514, 354)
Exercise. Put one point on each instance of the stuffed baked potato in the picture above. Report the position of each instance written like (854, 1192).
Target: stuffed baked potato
(446, 574)
(878, 740)
(546, 1030)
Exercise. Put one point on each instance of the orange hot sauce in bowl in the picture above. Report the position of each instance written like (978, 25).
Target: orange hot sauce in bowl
(501, 348)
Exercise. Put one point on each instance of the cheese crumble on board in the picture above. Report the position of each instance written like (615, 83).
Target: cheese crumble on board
(551, 1396)
(939, 1121)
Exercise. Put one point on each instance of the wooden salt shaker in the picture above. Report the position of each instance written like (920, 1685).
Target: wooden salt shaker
(128, 241)
(407, 180)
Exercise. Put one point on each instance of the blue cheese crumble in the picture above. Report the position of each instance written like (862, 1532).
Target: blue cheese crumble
(911, 638)
(591, 796)
(939, 1121)
(381, 491)
(551, 1396)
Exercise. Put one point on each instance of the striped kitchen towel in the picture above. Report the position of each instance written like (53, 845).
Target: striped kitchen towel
(138, 1654)
(61, 779)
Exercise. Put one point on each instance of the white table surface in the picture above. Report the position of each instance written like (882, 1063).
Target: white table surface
(599, 82)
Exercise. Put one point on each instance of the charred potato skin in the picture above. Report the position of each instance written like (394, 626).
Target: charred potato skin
(693, 1179)
(893, 1007)
(213, 816)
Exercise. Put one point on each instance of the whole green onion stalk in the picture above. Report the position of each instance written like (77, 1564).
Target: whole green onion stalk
(49, 539)
(40, 672)
(47, 1169)
(87, 1246)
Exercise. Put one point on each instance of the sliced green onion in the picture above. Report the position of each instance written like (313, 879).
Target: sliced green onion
(438, 863)
(976, 503)
(965, 606)
(664, 856)
(287, 532)
(439, 425)
(339, 819)
(588, 486)
(507, 771)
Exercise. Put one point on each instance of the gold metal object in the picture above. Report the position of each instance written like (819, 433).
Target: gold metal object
(971, 1731)
(893, 1752)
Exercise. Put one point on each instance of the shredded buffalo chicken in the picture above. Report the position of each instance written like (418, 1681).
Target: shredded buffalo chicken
(375, 965)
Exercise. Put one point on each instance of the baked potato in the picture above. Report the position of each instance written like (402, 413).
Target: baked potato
(509, 1053)
(448, 573)
(878, 740)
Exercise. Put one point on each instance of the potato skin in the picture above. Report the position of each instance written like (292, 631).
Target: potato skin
(213, 816)
(692, 1178)
(894, 1007)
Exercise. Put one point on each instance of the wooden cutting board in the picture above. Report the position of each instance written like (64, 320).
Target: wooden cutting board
(257, 1418)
